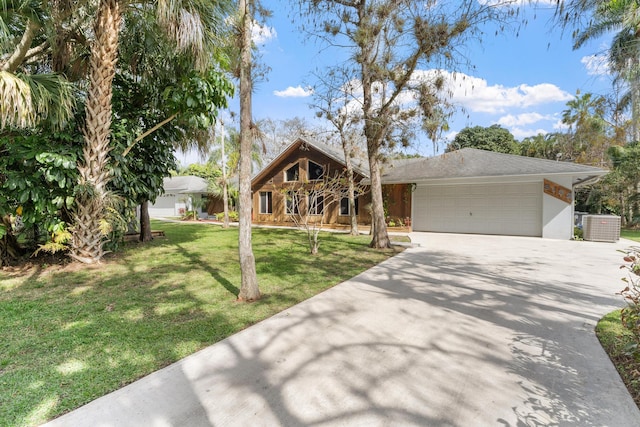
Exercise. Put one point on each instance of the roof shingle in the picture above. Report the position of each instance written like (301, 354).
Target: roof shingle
(474, 163)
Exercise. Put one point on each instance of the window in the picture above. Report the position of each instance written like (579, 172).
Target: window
(316, 203)
(344, 206)
(204, 203)
(266, 202)
(315, 171)
(293, 203)
(292, 173)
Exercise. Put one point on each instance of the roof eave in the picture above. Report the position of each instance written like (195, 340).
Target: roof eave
(590, 175)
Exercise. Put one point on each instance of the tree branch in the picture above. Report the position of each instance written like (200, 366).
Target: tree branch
(149, 132)
(14, 61)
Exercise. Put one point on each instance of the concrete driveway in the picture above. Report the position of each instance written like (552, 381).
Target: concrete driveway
(462, 331)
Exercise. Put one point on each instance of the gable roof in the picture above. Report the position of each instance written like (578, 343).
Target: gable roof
(185, 184)
(334, 153)
(474, 163)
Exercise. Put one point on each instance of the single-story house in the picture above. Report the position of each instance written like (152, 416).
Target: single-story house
(483, 192)
(179, 192)
(465, 191)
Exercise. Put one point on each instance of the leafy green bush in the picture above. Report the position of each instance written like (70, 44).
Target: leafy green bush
(578, 233)
(630, 315)
(190, 216)
(233, 216)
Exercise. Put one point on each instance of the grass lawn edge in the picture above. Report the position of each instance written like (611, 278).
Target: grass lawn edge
(615, 341)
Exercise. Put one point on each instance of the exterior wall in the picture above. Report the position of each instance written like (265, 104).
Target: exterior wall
(557, 216)
(397, 201)
(274, 182)
(168, 205)
(164, 206)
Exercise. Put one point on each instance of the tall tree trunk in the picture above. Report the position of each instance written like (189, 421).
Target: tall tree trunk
(373, 132)
(353, 217)
(380, 237)
(249, 290)
(145, 223)
(225, 183)
(87, 241)
(225, 202)
(635, 96)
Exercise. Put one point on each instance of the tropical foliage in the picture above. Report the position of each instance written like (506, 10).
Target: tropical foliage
(164, 92)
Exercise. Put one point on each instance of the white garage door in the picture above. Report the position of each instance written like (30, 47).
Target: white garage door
(509, 209)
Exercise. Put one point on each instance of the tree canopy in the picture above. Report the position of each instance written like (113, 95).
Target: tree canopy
(492, 138)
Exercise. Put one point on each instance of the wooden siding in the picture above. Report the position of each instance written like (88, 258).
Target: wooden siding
(397, 201)
(273, 180)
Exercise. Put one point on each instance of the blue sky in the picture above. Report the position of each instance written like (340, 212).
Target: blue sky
(520, 82)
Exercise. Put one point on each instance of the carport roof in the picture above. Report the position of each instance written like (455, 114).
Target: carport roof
(185, 184)
(474, 163)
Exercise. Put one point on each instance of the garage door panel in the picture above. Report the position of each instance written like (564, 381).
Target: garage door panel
(509, 209)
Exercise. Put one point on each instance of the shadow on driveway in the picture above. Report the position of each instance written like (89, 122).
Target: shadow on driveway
(462, 331)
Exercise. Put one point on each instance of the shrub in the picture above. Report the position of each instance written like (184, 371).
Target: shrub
(630, 315)
(190, 216)
(233, 216)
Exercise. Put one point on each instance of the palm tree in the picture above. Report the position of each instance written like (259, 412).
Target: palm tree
(87, 238)
(28, 98)
(585, 116)
(192, 26)
(622, 17)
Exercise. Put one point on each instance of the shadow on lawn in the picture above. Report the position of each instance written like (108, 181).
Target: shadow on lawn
(207, 266)
(132, 317)
(120, 328)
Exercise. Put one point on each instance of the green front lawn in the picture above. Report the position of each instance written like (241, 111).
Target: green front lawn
(73, 333)
(615, 340)
(630, 234)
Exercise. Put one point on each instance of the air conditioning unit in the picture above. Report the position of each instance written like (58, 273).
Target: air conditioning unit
(601, 228)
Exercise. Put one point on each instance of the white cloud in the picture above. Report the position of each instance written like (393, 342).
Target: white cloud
(596, 65)
(520, 133)
(559, 126)
(294, 92)
(522, 119)
(511, 3)
(476, 95)
(450, 136)
(262, 34)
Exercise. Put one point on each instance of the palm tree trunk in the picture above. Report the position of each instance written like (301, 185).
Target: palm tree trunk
(249, 290)
(87, 241)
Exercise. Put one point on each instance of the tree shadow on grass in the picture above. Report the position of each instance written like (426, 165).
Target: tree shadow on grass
(207, 266)
(85, 342)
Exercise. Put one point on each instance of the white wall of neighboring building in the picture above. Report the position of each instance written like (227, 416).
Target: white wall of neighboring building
(173, 205)
(557, 215)
(164, 206)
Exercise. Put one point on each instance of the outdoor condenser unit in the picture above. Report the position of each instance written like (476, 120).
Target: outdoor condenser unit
(601, 228)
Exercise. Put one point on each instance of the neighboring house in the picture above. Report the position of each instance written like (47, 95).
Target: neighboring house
(177, 197)
(466, 191)
(482, 192)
